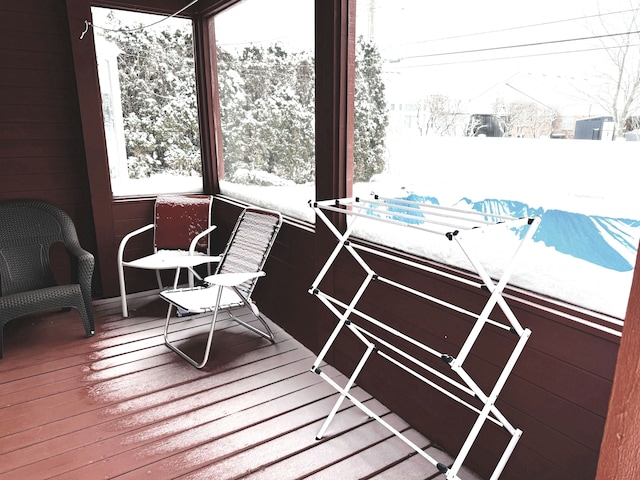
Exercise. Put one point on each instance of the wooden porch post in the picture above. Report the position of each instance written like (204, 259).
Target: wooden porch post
(620, 448)
(84, 61)
(335, 70)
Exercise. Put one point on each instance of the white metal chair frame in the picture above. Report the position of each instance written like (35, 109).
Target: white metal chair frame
(231, 287)
(163, 259)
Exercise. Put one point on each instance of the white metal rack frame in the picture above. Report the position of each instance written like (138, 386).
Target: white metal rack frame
(456, 225)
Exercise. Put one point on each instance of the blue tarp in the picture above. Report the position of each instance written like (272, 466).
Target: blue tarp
(595, 239)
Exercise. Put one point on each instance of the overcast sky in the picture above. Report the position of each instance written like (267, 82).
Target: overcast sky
(478, 50)
(423, 42)
(469, 50)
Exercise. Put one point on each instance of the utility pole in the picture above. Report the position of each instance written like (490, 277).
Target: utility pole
(372, 9)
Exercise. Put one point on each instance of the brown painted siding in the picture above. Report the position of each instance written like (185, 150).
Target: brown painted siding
(558, 393)
(41, 148)
(621, 442)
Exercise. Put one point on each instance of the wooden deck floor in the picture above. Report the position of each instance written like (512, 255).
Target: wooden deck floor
(121, 405)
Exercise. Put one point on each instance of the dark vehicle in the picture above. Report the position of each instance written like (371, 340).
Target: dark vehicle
(485, 125)
(560, 136)
(594, 128)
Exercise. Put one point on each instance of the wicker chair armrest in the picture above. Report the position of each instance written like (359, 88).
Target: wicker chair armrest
(75, 250)
(82, 266)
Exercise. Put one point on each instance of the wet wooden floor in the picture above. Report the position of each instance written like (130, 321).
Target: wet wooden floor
(121, 405)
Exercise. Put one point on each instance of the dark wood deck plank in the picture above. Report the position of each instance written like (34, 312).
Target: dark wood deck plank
(218, 449)
(153, 445)
(121, 405)
(126, 442)
(310, 458)
(412, 467)
(258, 458)
(64, 435)
(378, 457)
(144, 381)
(136, 379)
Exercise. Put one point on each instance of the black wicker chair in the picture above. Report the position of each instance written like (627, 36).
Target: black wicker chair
(28, 228)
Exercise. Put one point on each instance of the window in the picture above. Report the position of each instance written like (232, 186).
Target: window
(267, 101)
(147, 78)
(487, 108)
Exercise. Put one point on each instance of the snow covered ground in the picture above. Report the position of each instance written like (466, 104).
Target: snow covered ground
(585, 191)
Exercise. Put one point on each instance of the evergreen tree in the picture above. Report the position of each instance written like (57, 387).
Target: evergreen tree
(267, 108)
(370, 111)
(157, 82)
(267, 101)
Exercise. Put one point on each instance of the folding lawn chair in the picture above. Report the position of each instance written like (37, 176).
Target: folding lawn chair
(239, 268)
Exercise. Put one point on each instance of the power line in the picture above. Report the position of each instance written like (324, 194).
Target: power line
(528, 96)
(529, 55)
(521, 45)
(521, 27)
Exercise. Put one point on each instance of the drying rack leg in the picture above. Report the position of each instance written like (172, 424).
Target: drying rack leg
(506, 454)
(344, 392)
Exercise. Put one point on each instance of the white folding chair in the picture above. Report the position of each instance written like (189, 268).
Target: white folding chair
(182, 224)
(239, 268)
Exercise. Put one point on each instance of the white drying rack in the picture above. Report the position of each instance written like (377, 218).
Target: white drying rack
(453, 224)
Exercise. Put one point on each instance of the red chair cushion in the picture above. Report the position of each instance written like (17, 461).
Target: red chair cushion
(179, 218)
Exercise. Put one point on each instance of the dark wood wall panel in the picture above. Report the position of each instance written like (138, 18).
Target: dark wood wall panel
(41, 147)
(25, 112)
(288, 285)
(28, 78)
(621, 442)
(558, 393)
